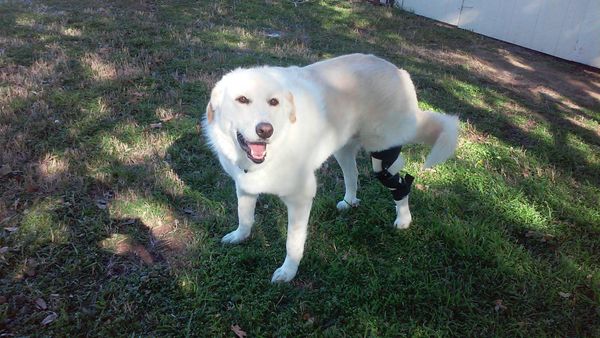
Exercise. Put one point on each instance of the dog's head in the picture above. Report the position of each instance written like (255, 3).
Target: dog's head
(252, 110)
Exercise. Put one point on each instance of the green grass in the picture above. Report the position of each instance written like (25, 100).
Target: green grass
(115, 224)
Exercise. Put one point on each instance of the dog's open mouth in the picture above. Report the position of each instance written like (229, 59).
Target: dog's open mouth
(256, 151)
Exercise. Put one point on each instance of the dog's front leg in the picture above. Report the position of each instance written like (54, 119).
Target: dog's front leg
(298, 213)
(246, 206)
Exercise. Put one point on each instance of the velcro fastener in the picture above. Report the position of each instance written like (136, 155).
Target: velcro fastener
(388, 156)
(403, 188)
(399, 187)
(387, 179)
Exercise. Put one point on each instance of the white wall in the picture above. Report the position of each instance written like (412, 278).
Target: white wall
(441, 10)
(569, 29)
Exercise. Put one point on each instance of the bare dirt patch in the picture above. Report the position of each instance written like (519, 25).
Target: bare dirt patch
(575, 86)
(530, 74)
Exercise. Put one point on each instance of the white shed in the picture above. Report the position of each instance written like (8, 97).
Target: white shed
(569, 29)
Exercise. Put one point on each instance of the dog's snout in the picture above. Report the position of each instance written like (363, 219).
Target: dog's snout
(264, 130)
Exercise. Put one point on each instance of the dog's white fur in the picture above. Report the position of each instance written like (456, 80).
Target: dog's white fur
(330, 107)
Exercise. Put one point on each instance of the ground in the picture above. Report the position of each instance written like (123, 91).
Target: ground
(112, 205)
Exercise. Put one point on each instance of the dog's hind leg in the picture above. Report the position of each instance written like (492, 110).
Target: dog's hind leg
(386, 165)
(346, 157)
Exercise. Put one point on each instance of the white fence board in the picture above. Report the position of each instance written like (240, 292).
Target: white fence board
(588, 40)
(549, 24)
(491, 18)
(571, 27)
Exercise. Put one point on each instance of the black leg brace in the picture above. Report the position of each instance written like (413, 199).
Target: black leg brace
(399, 186)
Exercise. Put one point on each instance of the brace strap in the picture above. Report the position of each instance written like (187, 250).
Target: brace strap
(387, 157)
(399, 186)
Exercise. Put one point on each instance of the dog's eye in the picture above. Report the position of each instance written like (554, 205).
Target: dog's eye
(273, 102)
(243, 100)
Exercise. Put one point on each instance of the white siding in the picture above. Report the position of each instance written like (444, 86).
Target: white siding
(588, 39)
(569, 29)
(441, 10)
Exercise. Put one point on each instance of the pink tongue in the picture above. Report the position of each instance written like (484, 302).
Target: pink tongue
(257, 149)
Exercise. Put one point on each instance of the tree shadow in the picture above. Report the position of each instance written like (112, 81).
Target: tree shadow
(559, 153)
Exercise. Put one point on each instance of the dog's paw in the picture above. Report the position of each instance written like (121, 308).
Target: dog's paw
(345, 205)
(284, 274)
(403, 220)
(235, 237)
(403, 216)
(402, 223)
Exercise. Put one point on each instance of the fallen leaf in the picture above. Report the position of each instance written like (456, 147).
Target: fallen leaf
(191, 212)
(238, 331)
(156, 125)
(49, 318)
(5, 170)
(20, 300)
(3, 250)
(41, 304)
(30, 271)
(11, 229)
(499, 306)
(564, 294)
(101, 203)
(308, 318)
(31, 188)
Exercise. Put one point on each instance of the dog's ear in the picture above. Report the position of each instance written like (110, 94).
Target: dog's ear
(292, 116)
(216, 96)
(210, 112)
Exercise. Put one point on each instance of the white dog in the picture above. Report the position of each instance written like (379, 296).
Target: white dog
(272, 127)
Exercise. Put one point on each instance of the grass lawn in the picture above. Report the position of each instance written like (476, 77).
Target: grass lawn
(112, 206)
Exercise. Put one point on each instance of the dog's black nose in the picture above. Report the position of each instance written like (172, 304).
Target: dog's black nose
(264, 130)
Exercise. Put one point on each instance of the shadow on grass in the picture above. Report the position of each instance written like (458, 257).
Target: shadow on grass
(450, 268)
(115, 271)
(444, 270)
(491, 117)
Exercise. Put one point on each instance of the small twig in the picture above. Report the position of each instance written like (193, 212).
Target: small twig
(279, 301)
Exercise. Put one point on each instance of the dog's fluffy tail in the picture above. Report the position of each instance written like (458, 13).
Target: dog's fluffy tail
(440, 131)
